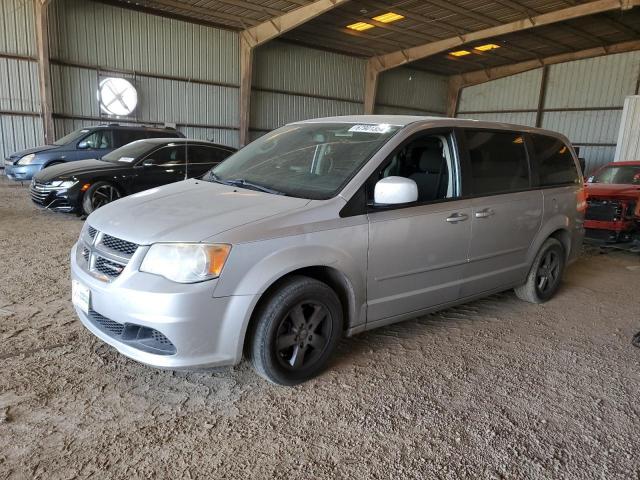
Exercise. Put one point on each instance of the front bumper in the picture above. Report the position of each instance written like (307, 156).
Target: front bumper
(21, 172)
(614, 226)
(205, 331)
(62, 200)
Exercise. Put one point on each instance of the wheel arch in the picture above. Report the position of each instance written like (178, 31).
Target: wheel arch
(53, 161)
(556, 227)
(334, 278)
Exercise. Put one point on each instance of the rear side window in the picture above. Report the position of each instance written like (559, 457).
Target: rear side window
(498, 162)
(554, 161)
(205, 154)
(124, 137)
(162, 134)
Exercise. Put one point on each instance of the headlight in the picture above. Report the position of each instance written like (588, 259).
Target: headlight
(27, 159)
(63, 183)
(186, 262)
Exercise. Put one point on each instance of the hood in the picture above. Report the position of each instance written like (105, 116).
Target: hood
(612, 190)
(187, 211)
(41, 148)
(71, 169)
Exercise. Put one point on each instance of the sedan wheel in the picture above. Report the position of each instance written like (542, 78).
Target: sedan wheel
(98, 195)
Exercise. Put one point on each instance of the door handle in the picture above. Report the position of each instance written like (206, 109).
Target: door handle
(457, 217)
(486, 213)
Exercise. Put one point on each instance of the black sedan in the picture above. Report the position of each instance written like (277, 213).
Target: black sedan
(86, 185)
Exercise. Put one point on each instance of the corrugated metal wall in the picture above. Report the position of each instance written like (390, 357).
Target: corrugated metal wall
(20, 125)
(583, 100)
(292, 83)
(628, 147)
(185, 74)
(403, 91)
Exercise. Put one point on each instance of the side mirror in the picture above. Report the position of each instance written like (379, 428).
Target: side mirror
(395, 190)
(590, 179)
(148, 162)
(83, 145)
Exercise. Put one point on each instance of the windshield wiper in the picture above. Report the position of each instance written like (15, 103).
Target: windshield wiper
(241, 182)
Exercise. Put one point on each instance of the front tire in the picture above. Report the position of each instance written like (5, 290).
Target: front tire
(296, 331)
(545, 275)
(98, 195)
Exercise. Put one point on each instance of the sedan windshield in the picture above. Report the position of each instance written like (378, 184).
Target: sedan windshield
(129, 152)
(71, 137)
(309, 160)
(624, 174)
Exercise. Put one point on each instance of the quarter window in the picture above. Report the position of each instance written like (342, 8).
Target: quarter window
(555, 162)
(498, 162)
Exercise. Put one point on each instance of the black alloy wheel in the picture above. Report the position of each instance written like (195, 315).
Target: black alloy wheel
(303, 335)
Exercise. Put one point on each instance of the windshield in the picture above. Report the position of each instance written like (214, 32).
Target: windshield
(624, 174)
(311, 160)
(129, 152)
(71, 137)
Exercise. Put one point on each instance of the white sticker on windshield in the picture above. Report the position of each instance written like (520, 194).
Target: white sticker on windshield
(381, 128)
(126, 159)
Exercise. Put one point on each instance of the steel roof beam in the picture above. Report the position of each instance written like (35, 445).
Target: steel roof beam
(381, 63)
(256, 35)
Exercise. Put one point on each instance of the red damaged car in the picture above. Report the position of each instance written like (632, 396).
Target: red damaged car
(613, 202)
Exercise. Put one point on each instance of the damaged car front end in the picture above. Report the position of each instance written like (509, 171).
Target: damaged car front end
(613, 203)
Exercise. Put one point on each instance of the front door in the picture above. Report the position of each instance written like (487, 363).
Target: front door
(418, 252)
(506, 211)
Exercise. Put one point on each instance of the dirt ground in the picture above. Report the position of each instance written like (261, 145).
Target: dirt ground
(493, 389)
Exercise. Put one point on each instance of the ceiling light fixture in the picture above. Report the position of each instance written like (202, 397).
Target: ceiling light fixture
(487, 47)
(460, 53)
(388, 17)
(360, 26)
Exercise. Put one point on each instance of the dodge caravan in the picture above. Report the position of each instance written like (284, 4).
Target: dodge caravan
(326, 228)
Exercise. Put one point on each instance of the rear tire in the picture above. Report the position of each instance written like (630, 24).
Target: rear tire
(296, 331)
(98, 195)
(545, 275)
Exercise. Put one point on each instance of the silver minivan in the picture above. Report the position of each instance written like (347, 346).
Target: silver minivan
(327, 228)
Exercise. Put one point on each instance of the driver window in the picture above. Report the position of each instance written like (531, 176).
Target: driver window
(99, 139)
(427, 160)
(167, 156)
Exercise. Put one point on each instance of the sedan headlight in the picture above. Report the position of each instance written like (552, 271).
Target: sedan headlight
(63, 183)
(27, 159)
(186, 262)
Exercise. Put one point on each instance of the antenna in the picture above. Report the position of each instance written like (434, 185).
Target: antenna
(186, 143)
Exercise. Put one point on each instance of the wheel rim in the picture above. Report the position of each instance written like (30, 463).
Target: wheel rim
(103, 195)
(303, 335)
(548, 273)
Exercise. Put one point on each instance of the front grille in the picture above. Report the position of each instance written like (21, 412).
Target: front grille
(107, 267)
(105, 256)
(143, 338)
(40, 192)
(119, 245)
(604, 210)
